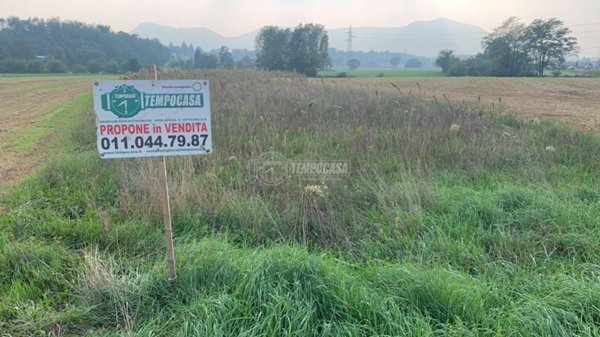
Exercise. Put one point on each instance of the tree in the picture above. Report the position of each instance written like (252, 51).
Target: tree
(413, 63)
(303, 50)
(446, 60)
(35, 67)
(225, 58)
(94, 67)
(548, 43)
(205, 61)
(197, 57)
(308, 49)
(132, 65)
(21, 49)
(78, 69)
(272, 48)
(458, 68)
(209, 61)
(505, 49)
(353, 64)
(112, 67)
(183, 63)
(58, 53)
(395, 61)
(328, 63)
(13, 66)
(56, 67)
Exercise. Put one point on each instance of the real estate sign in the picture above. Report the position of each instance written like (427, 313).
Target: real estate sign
(152, 118)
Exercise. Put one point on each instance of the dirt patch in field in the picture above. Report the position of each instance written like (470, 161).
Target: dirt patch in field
(573, 100)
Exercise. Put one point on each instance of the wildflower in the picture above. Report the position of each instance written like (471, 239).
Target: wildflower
(550, 149)
(454, 128)
(316, 190)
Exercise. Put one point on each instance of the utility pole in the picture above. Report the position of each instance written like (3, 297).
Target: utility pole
(349, 39)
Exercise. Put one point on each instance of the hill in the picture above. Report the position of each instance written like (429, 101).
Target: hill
(424, 38)
(198, 36)
(26, 44)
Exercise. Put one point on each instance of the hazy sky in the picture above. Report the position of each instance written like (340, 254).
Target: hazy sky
(233, 17)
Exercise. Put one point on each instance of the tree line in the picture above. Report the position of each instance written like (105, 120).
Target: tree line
(376, 59)
(36, 45)
(515, 49)
(221, 58)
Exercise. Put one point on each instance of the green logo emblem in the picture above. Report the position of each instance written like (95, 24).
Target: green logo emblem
(125, 101)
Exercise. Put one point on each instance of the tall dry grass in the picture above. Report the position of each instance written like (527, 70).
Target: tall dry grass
(387, 137)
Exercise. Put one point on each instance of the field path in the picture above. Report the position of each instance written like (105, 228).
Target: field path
(27, 103)
(573, 100)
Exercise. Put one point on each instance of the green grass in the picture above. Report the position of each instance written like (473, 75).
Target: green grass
(476, 231)
(577, 73)
(386, 72)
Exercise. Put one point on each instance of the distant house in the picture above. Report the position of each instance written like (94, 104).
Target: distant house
(41, 58)
(246, 63)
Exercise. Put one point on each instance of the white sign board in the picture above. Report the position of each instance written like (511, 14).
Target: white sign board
(152, 118)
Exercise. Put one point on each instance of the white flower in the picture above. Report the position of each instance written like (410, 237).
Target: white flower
(316, 190)
(454, 128)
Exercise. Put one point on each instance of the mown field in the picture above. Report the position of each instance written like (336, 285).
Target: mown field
(457, 219)
(32, 111)
(575, 101)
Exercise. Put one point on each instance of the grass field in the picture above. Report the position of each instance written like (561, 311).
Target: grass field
(457, 219)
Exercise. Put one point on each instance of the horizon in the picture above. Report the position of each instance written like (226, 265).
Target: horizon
(326, 28)
(578, 15)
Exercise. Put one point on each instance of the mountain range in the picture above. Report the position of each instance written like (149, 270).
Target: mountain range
(425, 38)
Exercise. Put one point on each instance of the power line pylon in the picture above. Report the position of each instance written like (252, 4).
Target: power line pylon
(349, 39)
